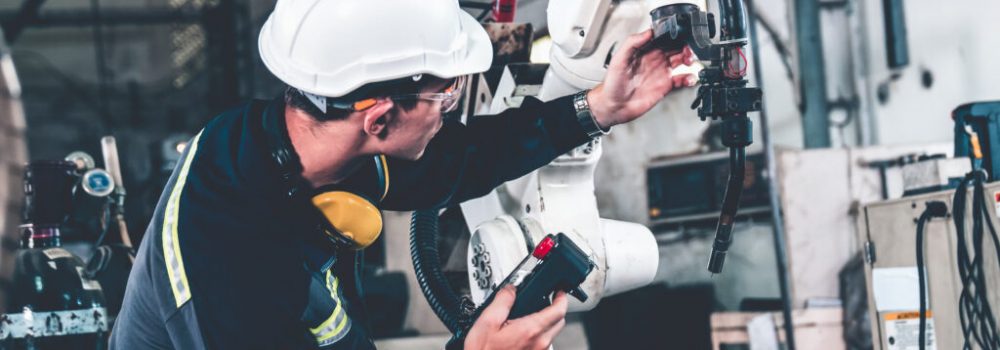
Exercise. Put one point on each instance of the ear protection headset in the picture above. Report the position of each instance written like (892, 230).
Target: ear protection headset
(349, 209)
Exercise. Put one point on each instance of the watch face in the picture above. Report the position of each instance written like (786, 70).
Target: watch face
(97, 183)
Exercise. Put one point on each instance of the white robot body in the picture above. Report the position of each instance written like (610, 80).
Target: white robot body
(559, 197)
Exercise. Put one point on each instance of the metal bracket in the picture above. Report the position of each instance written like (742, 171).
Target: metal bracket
(728, 100)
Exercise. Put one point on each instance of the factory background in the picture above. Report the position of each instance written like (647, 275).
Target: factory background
(153, 72)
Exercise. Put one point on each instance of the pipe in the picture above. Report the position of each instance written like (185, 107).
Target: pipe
(860, 69)
(102, 66)
(781, 260)
(812, 75)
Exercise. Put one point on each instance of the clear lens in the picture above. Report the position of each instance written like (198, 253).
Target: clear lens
(449, 98)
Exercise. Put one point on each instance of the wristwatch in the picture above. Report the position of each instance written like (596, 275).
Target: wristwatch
(585, 117)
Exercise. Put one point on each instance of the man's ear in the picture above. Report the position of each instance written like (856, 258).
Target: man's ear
(377, 117)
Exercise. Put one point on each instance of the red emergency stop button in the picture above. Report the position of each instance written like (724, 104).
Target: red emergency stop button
(544, 247)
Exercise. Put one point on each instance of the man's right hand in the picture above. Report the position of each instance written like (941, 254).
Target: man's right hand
(535, 331)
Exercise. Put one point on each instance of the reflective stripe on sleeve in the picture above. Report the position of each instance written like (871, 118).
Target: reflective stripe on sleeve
(337, 325)
(171, 247)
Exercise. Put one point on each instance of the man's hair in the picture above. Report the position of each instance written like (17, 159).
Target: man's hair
(402, 86)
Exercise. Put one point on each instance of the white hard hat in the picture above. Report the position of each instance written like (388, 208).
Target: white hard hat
(332, 47)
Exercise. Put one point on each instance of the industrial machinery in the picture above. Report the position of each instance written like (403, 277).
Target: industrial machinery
(723, 93)
(93, 206)
(111, 261)
(559, 197)
(943, 294)
(57, 301)
(53, 303)
(951, 276)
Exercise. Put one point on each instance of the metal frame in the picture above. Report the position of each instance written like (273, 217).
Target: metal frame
(773, 196)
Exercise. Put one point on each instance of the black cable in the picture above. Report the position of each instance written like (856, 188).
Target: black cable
(447, 305)
(986, 323)
(730, 205)
(920, 278)
(990, 325)
(105, 223)
(965, 266)
(976, 315)
(963, 262)
(934, 209)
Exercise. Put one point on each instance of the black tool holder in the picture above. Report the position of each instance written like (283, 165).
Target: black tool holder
(723, 94)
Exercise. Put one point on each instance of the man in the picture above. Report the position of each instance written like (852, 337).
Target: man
(254, 241)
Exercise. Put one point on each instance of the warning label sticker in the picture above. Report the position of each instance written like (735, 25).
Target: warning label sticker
(902, 331)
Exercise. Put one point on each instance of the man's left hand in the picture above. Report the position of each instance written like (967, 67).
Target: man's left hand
(638, 78)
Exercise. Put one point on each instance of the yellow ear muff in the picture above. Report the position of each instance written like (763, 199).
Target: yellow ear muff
(353, 216)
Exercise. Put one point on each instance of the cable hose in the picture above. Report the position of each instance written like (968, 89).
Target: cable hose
(934, 209)
(988, 335)
(447, 305)
(730, 206)
(975, 312)
(989, 327)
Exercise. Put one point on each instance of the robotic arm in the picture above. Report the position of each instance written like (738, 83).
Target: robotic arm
(723, 93)
(584, 36)
(559, 198)
(580, 61)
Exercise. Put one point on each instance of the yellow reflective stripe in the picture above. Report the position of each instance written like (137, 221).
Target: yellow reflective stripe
(336, 331)
(329, 335)
(329, 320)
(333, 328)
(332, 285)
(385, 172)
(171, 247)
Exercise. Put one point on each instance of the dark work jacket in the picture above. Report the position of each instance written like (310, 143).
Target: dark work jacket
(230, 261)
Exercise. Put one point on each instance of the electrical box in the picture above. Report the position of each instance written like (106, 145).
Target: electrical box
(888, 235)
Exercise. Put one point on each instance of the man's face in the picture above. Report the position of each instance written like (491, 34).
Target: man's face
(412, 129)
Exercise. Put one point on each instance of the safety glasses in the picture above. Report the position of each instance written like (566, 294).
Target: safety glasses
(449, 98)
